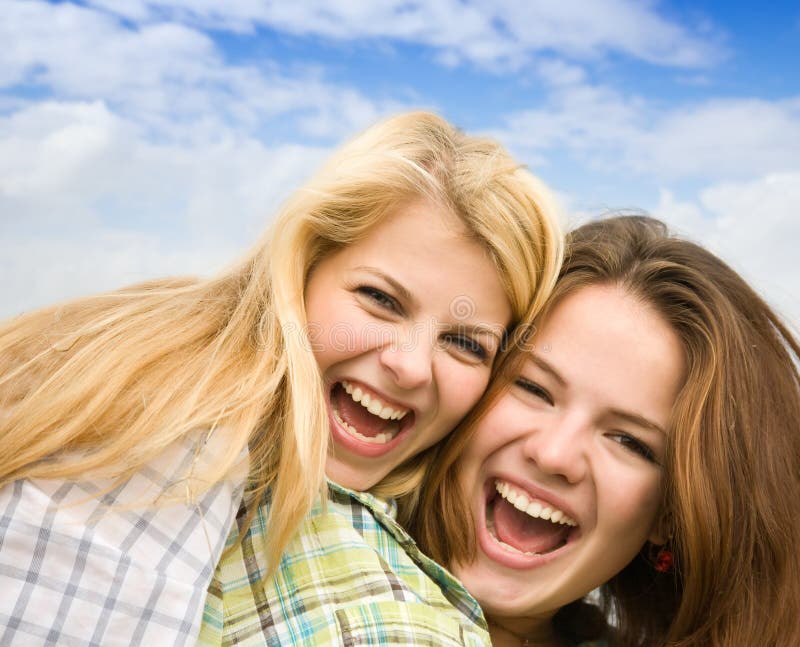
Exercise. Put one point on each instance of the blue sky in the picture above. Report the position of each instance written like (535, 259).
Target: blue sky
(143, 138)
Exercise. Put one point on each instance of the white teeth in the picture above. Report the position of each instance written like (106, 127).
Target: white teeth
(378, 439)
(508, 547)
(375, 407)
(373, 404)
(521, 503)
(534, 508)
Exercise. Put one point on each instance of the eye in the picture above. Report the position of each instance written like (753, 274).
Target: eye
(534, 389)
(379, 298)
(465, 344)
(633, 444)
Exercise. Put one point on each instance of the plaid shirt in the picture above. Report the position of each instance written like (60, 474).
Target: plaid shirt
(85, 563)
(351, 576)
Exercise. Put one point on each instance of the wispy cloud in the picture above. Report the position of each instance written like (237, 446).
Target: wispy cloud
(500, 34)
(88, 204)
(755, 226)
(169, 77)
(616, 132)
(78, 163)
(135, 142)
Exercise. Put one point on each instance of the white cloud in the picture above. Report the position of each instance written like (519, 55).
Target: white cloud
(46, 149)
(716, 145)
(152, 155)
(167, 76)
(588, 120)
(37, 271)
(733, 138)
(713, 139)
(492, 33)
(87, 203)
(589, 29)
(755, 227)
(77, 50)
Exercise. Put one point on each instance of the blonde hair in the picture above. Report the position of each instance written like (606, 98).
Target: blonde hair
(114, 379)
(731, 501)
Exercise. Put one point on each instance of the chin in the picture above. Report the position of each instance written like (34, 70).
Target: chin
(349, 477)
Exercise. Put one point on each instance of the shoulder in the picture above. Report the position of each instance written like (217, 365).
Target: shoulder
(346, 575)
(90, 559)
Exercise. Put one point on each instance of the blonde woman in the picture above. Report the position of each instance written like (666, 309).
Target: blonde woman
(352, 338)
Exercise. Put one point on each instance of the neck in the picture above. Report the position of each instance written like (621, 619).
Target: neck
(513, 632)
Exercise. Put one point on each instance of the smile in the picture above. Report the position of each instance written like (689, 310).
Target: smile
(364, 415)
(524, 525)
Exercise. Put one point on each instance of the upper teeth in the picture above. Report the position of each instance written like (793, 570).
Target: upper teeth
(534, 508)
(373, 404)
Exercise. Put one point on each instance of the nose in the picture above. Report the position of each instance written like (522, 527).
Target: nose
(560, 447)
(409, 360)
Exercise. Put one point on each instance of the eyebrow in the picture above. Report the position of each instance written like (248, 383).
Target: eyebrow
(548, 368)
(633, 418)
(401, 290)
(481, 328)
(638, 420)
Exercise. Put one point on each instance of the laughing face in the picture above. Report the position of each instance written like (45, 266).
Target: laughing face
(563, 474)
(405, 325)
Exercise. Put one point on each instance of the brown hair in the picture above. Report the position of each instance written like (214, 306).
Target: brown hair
(731, 499)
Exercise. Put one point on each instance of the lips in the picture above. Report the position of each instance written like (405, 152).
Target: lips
(367, 423)
(522, 528)
(373, 403)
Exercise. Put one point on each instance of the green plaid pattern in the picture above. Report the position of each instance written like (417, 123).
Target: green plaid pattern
(351, 576)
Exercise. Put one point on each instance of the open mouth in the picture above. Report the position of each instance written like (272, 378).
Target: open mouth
(365, 416)
(523, 525)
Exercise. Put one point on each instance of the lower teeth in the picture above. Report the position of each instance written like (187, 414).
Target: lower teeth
(508, 547)
(379, 439)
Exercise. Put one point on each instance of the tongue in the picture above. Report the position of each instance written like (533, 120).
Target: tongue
(357, 416)
(523, 532)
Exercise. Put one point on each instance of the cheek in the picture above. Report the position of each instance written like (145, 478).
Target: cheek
(327, 343)
(337, 332)
(460, 387)
(633, 506)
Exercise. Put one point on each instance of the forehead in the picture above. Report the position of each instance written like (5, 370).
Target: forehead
(608, 343)
(602, 308)
(427, 252)
(423, 217)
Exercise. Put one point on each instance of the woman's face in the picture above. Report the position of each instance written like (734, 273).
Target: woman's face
(405, 325)
(563, 474)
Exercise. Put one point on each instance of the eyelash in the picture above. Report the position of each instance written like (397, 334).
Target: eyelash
(629, 442)
(633, 444)
(379, 298)
(383, 300)
(468, 345)
(535, 390)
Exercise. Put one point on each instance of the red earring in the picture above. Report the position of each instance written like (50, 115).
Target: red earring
(664, 560)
